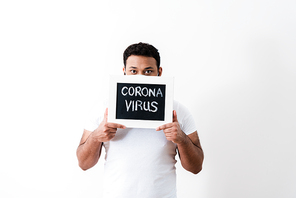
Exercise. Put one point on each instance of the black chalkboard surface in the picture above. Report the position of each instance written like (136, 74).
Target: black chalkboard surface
(140, 101)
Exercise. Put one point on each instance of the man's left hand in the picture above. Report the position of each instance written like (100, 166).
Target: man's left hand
(173, 131)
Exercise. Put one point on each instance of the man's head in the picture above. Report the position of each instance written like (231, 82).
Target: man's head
(141, 58)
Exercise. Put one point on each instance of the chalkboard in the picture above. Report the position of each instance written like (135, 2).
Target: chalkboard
(140, 101)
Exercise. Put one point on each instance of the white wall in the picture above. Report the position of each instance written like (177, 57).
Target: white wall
(237, 56)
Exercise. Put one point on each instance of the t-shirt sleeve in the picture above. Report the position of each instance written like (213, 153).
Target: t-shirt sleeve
(95, 116)
(185, 119)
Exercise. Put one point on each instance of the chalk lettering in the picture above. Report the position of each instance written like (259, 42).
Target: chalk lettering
(139, 105)
(145, 88)
(129, 91)
(159, 92)
(139, 91)
(140, 101)
(122, 91)
(152, 92)
(128, 105)
(154, 102)
(148, 106)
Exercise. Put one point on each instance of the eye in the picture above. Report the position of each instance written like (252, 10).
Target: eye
(133, 71)
(148, 72)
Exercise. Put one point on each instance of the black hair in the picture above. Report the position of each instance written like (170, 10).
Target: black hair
(141, 49)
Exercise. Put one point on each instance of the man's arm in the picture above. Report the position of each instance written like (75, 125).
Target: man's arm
(191, 153)
(190, 150)
(89, 149)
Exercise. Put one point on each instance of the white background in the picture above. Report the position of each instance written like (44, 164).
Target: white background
(234, 67)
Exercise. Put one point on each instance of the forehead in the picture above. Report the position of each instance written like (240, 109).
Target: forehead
(140, 61)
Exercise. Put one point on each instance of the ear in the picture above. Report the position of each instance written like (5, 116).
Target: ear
(123, 69)
(160, 71)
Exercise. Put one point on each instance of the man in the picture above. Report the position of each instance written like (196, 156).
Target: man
(140, 163)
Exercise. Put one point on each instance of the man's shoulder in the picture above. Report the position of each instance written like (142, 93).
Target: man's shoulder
(178, 106)
(185, 118)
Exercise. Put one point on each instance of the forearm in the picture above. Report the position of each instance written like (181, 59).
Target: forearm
(89, 152)
(191, 156)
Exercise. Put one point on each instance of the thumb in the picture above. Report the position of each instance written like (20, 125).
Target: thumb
(175, 116)
(106, 115)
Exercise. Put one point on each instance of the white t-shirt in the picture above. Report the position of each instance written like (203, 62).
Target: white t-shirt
(140, 163)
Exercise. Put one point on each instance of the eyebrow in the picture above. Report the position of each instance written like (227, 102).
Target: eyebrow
(149, 68)
(132, 67)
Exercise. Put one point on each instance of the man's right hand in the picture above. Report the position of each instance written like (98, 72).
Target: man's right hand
(106, 130)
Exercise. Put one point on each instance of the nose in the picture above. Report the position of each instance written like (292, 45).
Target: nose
(142, 73)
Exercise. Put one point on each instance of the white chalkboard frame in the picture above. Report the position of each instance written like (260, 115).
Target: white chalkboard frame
(130, 123)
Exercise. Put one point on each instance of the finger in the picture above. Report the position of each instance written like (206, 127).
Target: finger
(106, 115)
(162, 127)
(115, 125)
(175, 116)
(110, 130)
(168, 130)
(108, 137)
(169, 136)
